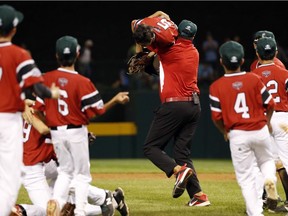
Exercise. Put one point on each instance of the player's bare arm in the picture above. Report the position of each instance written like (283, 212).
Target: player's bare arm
(120, 98)
(27, 115)
(40, 126)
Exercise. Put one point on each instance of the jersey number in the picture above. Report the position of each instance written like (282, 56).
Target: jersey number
(164, 24)
(240, 105)
(62, 105)
(274, 90)
(26, 131)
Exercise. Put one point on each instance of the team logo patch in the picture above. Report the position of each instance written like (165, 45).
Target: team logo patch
(266, 73)
(66, 50)
(62, 81)
(234, 59)
(237, 85)
(267, 47)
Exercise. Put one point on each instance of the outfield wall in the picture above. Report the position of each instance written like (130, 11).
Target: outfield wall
(125, 139)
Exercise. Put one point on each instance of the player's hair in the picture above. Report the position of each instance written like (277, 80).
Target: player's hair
(143, 34)
(5, 32)
(268, 55)
(66, 60)
(231, 66)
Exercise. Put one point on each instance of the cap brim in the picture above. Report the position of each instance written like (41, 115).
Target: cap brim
(20, 16)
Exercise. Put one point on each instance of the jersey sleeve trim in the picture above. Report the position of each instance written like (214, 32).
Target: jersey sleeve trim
(215, 104)
(91, 100)
(40, 100)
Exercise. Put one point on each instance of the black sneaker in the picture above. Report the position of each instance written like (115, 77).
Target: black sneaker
(118, 195)
(271, 204)
(107, 207)
(282, 208)
(181, 181)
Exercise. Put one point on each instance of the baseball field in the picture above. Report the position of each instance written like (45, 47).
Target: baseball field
(148, 191)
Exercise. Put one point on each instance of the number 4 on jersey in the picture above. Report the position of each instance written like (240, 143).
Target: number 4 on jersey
(240, 105)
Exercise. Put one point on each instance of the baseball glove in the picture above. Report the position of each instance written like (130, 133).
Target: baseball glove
(68, 209)
(91, 138)
(141, 62)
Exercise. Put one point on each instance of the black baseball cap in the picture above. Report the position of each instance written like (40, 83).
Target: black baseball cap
(9, 18)
(187, 28)
(266, 46)
(262, 34)
(67, 46)
(231, 53)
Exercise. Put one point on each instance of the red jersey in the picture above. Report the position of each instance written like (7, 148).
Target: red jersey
(255, 64)
(240, 100)
(79, 99)
(165, 31)
(17, 71)
(37, 147)
(178, 70)
(276, 81)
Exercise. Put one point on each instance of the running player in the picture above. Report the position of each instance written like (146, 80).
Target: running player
(276, 80)
(238, 102)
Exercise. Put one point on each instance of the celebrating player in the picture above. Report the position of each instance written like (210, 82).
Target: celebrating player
(19, 76)
(39, 155)
(264, 34)
(238, 102)
(68, 118)
(178, 115)
(276, 80)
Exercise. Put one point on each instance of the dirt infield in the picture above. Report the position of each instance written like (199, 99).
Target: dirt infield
(202, 176)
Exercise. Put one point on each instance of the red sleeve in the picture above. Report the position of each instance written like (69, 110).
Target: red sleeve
(91, 101)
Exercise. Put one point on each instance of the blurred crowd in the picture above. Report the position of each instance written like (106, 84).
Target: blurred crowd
(209, 66)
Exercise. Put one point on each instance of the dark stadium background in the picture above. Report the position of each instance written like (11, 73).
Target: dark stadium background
(107, 23)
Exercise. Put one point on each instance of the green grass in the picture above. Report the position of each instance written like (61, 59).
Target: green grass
(150, 193)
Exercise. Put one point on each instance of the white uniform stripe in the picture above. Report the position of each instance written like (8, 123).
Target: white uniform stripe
(263, 89)
(215, 109)
(98, 104)
(35, 72)
(90, 95)
(214, 98)
(40, 100)
(23, 64)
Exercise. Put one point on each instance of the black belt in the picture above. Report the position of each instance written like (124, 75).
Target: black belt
(70, 126)
(175, 99)
(280, 111)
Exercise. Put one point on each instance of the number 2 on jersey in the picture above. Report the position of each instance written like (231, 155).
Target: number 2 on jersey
(240, 105)
(273, 91)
